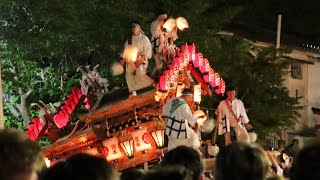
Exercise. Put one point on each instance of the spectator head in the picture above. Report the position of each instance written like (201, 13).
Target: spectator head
(306, 165)
(19, 156)
(187, 157)
(281, 144)
(295, 142)
(169, 172)
(82, 167)
(133, 174)
(241, 161)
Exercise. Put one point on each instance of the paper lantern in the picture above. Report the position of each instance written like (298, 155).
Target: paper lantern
(213, 150)
(141, 140)
(130, 53)
(182, 23)
(112, 149)
(216, 80)
(210, 76)
(91, 151)
(205, 66)
(176, 62)
(169, 24)
(197, 93)
(198, 61)
(192, 52)
(221, 88)
(127, 147)
(164, 83)
(158, 136)
(184, 48)
(253, 136)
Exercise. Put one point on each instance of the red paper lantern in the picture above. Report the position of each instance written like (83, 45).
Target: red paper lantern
(192, 52)
(198, 61)
(210, 76)
(216, 81)
(205, 66)
(222, 88)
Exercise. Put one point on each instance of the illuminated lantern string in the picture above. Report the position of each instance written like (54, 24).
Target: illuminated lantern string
(205, 66)
(184, 48)
(176, 62)
(198, 61)
(221, 88)
(210, 76)
(162, 83)
(192, 52)
(216, 81)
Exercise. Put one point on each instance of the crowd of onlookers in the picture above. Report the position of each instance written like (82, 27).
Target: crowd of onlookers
(22, 159)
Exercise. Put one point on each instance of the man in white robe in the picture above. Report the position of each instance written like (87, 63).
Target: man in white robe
(136, 76)
(226, 118)
(180, 118)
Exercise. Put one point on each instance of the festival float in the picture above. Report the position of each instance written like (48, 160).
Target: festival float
(127, 132)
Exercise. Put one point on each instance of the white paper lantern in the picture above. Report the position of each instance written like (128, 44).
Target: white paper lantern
(197, 93)
(182, 23)
(141, 140)
(213, 150)
(117, 69)
(112, 149)
(253, 137)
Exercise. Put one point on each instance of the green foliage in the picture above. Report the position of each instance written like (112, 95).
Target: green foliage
(44, 141)
(10, 121)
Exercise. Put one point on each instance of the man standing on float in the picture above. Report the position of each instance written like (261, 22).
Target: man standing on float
(180, 118)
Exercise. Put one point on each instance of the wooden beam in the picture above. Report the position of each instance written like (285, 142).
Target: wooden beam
(199, 79)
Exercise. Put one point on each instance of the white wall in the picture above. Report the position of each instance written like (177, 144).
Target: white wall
(313, 92)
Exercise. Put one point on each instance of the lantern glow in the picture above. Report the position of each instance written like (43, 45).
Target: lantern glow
(91, 151)
(127, 147)
(182, 23)
(158, 136)
(130, 53)
(197, 93)
(112, 150)
(169, 24)
(141, 140)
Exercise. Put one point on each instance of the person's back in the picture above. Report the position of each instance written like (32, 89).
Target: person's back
(239, 161)
(19, 156)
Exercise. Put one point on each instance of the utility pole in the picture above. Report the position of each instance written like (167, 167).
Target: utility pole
(1, 101)
(278, 31)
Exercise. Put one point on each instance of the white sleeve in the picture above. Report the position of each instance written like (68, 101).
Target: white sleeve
(187, 114)
(243, 112)
(147, 48)
(166, 108)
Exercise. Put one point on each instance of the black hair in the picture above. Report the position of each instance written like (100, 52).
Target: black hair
(187, 157)
(239, 161)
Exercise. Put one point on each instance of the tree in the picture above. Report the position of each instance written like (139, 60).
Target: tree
(52, 38)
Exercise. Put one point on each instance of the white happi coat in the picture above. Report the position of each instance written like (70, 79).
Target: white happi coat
(136, 77)
(178, 130)
(226, 118)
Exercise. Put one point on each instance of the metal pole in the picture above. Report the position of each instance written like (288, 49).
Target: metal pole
(278, 31)
(1, 101)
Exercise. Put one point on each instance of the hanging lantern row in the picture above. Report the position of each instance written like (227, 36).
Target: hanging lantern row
(188, 55)
(140, 142)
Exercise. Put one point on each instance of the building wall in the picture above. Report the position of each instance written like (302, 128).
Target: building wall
(308, 87)
(313, 92)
